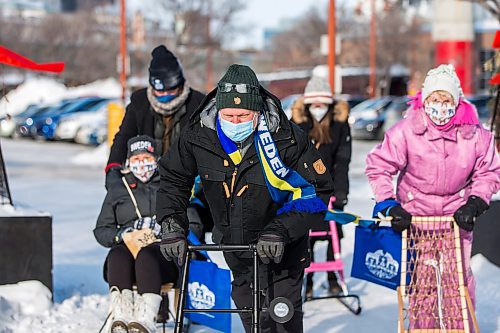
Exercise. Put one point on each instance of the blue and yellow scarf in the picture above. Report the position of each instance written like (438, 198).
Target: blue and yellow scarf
(286, 186)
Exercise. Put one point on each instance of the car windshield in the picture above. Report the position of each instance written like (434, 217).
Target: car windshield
(28, 111)
(399, 105)
(374, 103)
(84, 105)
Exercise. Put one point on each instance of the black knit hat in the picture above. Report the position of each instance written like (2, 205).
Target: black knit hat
(239, 88)
(165, 70)
(141, 144)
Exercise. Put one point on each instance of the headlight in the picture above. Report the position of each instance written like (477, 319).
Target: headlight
(48, 121)
(352, 120)
(29, 121)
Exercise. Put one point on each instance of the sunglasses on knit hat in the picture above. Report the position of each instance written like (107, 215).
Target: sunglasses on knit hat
(242, 88)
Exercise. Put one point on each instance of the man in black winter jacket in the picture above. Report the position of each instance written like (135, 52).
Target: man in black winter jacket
(160, 111)
(243, 210)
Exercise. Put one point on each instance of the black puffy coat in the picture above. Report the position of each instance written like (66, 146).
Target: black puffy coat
(250, 209)
(141, 119)
(337, 157)
(118, 210)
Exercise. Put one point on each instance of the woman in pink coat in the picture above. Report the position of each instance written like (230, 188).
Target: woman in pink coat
(446, 162)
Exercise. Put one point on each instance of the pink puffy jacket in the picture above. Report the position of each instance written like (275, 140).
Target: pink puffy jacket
(438, 170)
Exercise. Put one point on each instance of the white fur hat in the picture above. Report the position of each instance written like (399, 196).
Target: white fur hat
(444, 78)
(318, 91)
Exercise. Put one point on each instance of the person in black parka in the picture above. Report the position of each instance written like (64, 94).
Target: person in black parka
(239, 199)
(325, 122)
(130, 206)
(160, 111)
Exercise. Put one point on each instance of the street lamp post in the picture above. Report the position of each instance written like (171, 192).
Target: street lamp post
(331, 44)
(123, 50)
(372, 49)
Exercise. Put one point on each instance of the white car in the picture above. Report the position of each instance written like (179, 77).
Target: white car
(7, 126)
(93, 133)
(68, 128)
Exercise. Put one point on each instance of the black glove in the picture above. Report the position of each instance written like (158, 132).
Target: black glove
(401, 219)
(270, 246)
(466, 215)
(340, 201)
(113, 176)
(173, 241)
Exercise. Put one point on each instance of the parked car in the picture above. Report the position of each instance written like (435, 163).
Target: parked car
(44, 127)
(25, 121)
(367, 118)
(482, 104)
(7, 126)
(287, 102)
(70, 124)
(93, 133)
(352, 100)
(395, 112)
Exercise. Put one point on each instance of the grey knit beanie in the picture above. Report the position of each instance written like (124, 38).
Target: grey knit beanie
(318, 91)
(229, 95)
(443, 78)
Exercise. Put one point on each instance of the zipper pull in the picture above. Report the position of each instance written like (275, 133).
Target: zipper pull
(233, 179)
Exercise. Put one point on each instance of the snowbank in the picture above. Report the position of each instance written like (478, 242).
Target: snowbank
(32, 91)
(20, 210)
(48, 91)
(109, 88)
(95, 158)
(26, 307)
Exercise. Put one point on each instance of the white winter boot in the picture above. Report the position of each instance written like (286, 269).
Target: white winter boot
(146, 308)
(122, 307)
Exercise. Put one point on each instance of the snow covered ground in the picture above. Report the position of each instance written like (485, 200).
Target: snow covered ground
(55, 177)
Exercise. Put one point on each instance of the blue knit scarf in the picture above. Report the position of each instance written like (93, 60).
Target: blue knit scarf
(286, 186)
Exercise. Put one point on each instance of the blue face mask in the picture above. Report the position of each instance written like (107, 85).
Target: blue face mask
(237, 132)
(165, 98)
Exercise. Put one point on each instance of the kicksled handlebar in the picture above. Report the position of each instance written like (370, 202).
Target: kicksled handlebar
(223, 248)
(280, 309)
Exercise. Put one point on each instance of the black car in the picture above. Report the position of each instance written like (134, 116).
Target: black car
(484, 108)
(367, 118)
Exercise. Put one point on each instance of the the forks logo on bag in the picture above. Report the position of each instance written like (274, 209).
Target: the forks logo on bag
(381, 264)
(200, 296)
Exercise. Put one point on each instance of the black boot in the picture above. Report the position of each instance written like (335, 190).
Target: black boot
(309, 286)
(333, 287)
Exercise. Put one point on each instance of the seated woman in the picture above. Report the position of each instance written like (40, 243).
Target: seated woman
(127, 225)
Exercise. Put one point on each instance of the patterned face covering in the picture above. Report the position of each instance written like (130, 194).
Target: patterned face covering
(144, 169)
(439, 113)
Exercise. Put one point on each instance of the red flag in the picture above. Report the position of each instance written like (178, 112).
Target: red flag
(13, 59)
(495, 79)
(496, 41)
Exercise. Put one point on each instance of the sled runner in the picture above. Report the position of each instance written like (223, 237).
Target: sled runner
(280, 309)
(432, 296)
(350, 301)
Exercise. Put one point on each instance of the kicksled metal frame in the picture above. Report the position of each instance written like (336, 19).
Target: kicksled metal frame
(281, 308)
(336, 266)
(468, 315)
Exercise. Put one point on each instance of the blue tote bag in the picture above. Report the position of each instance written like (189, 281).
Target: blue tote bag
(377, 256)
(209, 287)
